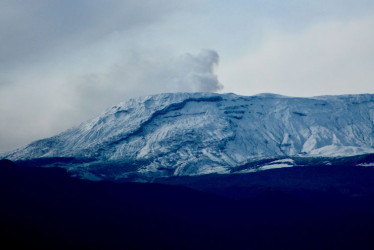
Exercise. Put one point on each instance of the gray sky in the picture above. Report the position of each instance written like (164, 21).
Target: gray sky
(65, 61)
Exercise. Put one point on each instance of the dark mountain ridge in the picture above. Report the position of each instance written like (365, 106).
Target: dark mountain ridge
(45, 208)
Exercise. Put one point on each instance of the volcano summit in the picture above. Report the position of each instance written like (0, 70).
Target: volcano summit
(200, 133)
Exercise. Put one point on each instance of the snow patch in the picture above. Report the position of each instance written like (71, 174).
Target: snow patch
(288, 160)
(274, 166)
(334, 150)
(366, 164)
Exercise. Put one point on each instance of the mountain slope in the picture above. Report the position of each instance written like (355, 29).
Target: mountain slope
(201, 133)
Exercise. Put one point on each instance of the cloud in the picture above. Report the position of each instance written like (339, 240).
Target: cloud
(64, 61)
(330, 57)
(32, 31)
(144, 74)
(42, 105)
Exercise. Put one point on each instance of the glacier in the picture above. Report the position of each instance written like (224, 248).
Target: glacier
(178, 134)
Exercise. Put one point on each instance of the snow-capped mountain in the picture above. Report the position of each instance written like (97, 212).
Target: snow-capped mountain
(200, 133)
